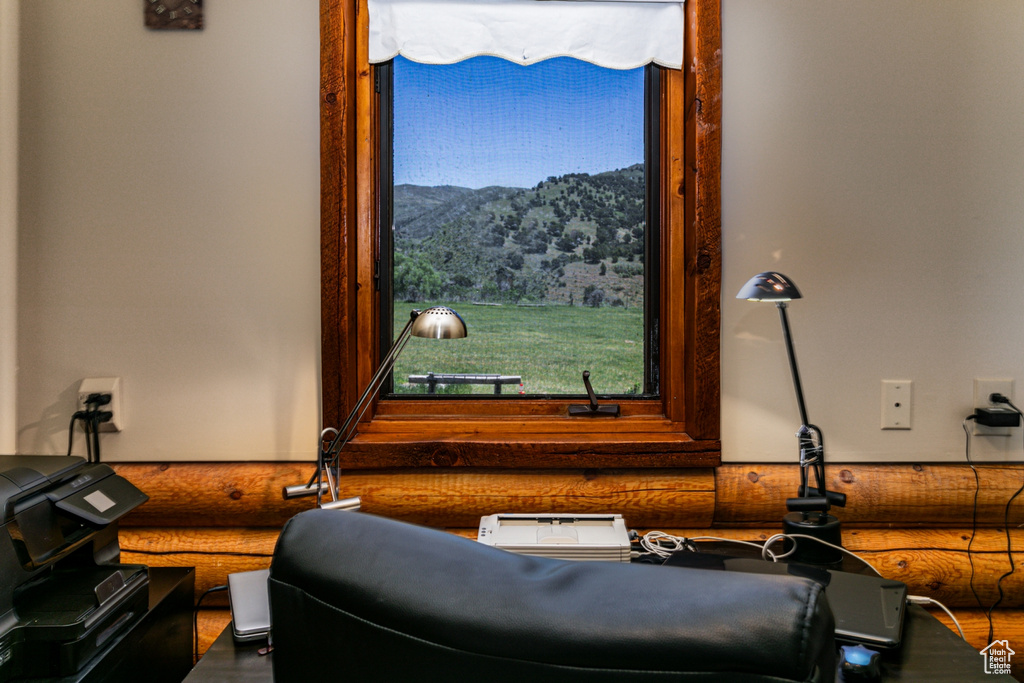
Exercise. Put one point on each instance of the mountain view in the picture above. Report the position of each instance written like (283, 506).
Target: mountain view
(575, 240)
(547, 274)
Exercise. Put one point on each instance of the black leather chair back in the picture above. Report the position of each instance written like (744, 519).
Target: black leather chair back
(361, 598)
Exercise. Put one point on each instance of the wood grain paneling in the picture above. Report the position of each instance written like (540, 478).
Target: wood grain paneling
(499, 447)
(212, 494)
(214, 553)
(886, 495)
(337, 205)
(249, 494)
(700, 183)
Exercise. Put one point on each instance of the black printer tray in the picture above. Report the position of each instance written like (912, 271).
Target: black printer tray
(65, 619)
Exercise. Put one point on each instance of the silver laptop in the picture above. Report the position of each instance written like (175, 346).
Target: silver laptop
(249, 598)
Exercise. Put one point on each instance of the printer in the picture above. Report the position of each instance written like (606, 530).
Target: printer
(63, 595)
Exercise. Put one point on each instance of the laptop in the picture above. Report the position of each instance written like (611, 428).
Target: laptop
(868, 610)
(249, 598)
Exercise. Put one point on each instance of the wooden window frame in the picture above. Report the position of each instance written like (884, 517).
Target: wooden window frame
(679, 430)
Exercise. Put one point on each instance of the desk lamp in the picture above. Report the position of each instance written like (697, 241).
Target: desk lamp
(438, 322)
(809, 511)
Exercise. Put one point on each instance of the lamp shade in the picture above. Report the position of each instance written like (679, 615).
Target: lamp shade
(769, 287)
(439, 322)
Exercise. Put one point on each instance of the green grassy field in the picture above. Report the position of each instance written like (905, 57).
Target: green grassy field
(549, 347)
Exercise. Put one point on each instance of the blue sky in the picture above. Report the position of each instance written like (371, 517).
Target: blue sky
(487, 121)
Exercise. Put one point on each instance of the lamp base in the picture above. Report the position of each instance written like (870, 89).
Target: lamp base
(820, 525)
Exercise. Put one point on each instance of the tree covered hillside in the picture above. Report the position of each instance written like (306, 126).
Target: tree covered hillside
(576, 239)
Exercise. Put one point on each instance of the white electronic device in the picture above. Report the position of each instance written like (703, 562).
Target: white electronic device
(561, 536)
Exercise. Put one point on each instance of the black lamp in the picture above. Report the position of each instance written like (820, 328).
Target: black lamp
(809, 511)
(438, 322)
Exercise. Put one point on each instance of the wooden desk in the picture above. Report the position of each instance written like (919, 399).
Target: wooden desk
(229, 662)
(931, 652)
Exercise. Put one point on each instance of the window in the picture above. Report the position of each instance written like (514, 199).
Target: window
(519, 196)
(679, 429)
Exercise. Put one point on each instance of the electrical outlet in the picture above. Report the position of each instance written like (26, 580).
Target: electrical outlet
(104, 385)
(983, 388)
(896, 396)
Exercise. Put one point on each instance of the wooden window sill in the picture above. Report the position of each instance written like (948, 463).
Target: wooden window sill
(541, 442)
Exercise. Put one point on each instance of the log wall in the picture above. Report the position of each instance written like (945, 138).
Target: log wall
(913, 523)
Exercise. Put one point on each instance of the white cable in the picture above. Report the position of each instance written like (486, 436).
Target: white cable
(651, 542)
(813, 538)
(923, 600)
(765, 554)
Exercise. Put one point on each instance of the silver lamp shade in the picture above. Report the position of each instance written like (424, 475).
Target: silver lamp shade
(769, 287)
(439, 322)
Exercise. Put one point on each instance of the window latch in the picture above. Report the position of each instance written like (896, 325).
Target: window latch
(593, 409)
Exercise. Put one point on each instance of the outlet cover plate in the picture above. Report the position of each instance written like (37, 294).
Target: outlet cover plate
(104, 385)
(896, 403)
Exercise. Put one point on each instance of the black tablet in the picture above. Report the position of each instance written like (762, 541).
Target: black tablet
(867, 609)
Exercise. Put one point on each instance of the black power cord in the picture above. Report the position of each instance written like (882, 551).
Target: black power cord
(994, 398)
(91, 418)
(974, 517)
(999, 398)
(195, 620)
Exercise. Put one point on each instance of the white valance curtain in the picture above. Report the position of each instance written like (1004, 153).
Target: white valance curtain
(617, 34)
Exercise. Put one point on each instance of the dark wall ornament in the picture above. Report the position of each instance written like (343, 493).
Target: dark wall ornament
(173, 14)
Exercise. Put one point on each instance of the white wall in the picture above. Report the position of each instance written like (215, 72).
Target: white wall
(169, 228)
(8, 223)
(169, 223)
(873, 152)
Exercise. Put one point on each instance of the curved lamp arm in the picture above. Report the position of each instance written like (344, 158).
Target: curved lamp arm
(780, 290)
(438, 322)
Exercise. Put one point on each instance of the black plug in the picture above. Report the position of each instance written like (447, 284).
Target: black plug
(96, 400)
(997, 416)
(998, 398)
